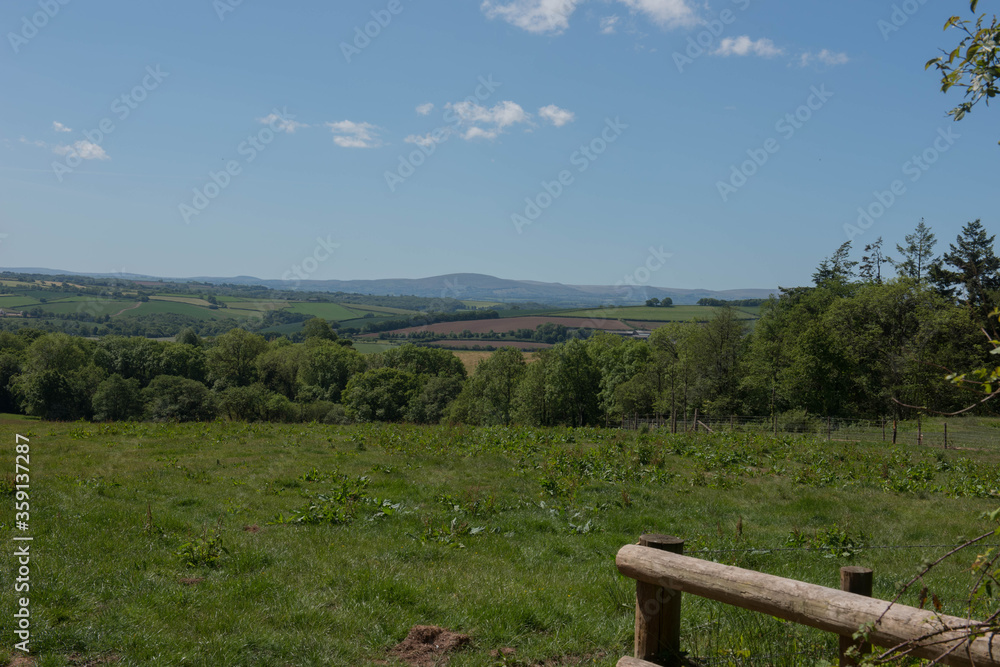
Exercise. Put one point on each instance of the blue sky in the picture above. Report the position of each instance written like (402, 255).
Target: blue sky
(725, 144)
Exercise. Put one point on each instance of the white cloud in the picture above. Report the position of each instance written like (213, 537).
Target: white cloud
(281, 124)
(429, 139)
(348, 134)
(556, 116)
(425, 109)
(538, 16)
(667, 13)
(40, 144)
(86, 150)
(59, 127)
(825, 56)
(744, 46)
(552, 16)
(487, 123)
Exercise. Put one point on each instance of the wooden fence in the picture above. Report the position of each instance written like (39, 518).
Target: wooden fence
(662, 573)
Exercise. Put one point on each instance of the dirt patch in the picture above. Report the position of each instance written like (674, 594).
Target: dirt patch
(428, 646)
(192, 581)
(252, 529)
(19, 660)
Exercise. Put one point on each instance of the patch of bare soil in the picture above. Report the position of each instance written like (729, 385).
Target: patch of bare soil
(428, 646)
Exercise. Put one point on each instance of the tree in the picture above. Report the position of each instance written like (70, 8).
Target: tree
(976, 269)
(871, 264)
(654, 302)
(232, 360)
(836, 268)
(918, 254)
(172, 398)
(980, 62)
(381, 394)
(666, 302)
(117, 399)
(488, 396)
(319, 328)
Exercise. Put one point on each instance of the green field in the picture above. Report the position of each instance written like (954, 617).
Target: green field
(650, 314)
(198, 312)
(365, 347)
(328, 311)
(245, 544)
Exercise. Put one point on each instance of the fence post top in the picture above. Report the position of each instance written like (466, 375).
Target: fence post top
(659, 541)
(854, 569)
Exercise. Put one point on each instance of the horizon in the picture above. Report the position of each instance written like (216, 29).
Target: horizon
(580, 145)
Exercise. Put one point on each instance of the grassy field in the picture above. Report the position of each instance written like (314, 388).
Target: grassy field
(328, 311)
(649, 314)
(247, 544)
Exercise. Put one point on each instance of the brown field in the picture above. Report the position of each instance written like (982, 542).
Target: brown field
(471, 342)
(472, 358)
(512, 323)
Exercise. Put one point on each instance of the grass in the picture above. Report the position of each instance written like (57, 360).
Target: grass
(206, 544)
(650, 314)
(328, 311)
(366, 347)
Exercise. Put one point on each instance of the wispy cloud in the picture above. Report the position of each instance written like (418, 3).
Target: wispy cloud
(281, 124)
(744, 46)
(666, 13)
(826, 57)
(537, 16)
(609, 24)
(59, 127)
(348, 134)
(86, 150)
(552, 16)
(487, 123)
(425, 109)
(556, 116)
(429, 139)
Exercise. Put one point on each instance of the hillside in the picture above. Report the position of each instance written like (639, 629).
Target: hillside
(465, 286)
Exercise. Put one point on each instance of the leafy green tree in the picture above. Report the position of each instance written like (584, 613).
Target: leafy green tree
(488, 396)
(974, 64)
(618, 360)
(232, 359)
(188, 336)
(278, 368)
(182, 359)
(573, 384)
(117, 399)
(420, 361)
(325, 369)
(381, 394)
(975, 271)
(917, 256)
(654, 302)
(430, 403)
(57, 379)
(172, 398)
(129, 357)
(319, 328)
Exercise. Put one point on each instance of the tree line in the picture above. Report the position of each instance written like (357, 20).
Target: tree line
(855, 343)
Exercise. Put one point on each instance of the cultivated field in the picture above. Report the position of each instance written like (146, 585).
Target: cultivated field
(643, 314)
(245, 544)
(505, 324)
(521, 345)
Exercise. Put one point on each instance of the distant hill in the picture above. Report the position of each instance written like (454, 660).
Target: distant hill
(466, 286)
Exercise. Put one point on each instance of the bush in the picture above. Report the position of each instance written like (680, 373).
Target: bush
(117, 399)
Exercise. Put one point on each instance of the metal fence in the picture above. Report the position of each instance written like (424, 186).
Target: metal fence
(956, 433)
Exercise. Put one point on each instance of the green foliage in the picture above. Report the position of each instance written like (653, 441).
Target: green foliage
(172, 398)
(117, 399)
(203, 551)
(974, 64)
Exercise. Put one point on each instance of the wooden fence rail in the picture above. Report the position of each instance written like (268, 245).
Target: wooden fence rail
(662, 574)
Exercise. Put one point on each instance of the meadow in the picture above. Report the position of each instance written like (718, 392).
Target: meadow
(230, 543)
(645, 314)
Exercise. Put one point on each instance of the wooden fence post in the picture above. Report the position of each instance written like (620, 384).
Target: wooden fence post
(946, 435)
(854, 580)
(658, 611)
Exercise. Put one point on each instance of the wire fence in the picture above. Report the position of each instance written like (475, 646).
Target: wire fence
(958, 433)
